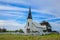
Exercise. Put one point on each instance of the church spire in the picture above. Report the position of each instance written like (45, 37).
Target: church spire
(29, 15)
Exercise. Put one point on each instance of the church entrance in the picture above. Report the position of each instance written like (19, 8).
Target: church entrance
(28, 30)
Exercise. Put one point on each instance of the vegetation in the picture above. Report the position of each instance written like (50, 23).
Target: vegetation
(21, 31)
(3, 30)
(48, 26)
(20, 37)
(45, 23)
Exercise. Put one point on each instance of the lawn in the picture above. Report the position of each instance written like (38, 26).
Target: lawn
(20, 37)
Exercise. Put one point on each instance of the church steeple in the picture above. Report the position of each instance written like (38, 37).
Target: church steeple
(29, 15)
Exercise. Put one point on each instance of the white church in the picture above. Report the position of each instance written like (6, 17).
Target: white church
(35, 28)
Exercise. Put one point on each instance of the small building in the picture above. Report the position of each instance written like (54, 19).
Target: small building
(36, 28)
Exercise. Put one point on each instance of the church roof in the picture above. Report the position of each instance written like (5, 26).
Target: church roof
(38, 25)
(29, 15)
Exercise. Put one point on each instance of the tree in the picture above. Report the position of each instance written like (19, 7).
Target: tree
(0, 29)
(48, 26)
(4, 30)
(21, 31)
(16, 30)
(45, 23)
(55, 32)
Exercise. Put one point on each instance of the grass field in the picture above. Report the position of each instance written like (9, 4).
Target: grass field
(19, 37)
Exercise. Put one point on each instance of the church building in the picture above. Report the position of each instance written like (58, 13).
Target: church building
(35, 28)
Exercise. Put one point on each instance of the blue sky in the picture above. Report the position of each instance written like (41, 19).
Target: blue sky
(13, 13)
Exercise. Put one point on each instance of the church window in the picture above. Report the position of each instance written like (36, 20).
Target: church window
(49, 30)
(28, 23)
(44, 30)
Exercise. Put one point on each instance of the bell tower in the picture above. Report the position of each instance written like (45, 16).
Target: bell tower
(29, 21)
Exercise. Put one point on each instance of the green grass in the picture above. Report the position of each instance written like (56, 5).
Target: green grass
(20, 37)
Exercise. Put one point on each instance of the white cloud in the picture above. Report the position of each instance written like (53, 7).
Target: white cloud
(12, 14)
(5, 7)
(15, 1)
(20, 11)
(11, 25)
(47, 6)
(12, 11)
(55, 26)
(44, 6)
(44, 11)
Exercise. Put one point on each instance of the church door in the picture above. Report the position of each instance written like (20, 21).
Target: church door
(28, 30)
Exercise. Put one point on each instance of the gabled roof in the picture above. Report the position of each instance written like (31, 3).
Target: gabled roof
(37, 25)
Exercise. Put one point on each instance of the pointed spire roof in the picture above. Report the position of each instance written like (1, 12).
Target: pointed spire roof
(29, 14)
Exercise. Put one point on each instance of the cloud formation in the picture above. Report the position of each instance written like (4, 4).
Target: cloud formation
(17, 10)
(10, 25)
